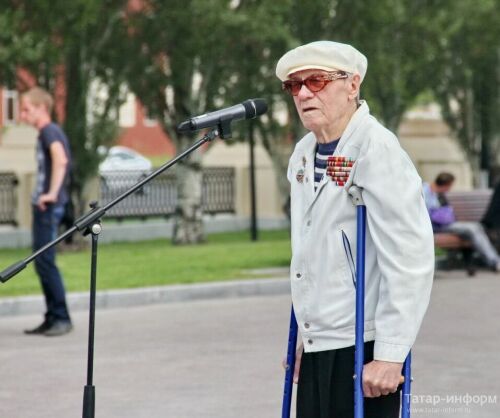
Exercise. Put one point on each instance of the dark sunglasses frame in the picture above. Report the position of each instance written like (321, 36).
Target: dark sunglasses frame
(314, 83)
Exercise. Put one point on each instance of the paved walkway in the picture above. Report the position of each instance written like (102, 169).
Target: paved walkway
(221, 358)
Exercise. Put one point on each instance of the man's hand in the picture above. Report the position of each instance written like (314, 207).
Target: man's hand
(45, 199)
(381, 378)
(298, 358)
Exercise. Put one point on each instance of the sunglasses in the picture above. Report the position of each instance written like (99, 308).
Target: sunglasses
(313, 83)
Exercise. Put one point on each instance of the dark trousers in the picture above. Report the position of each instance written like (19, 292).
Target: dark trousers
(45, 225)
(326, 387)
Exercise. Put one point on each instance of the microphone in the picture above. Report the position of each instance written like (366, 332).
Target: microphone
(249, 109)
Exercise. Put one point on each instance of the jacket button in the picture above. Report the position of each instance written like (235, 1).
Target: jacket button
(308, 223)
(309, 341)
(298, 275)
(306, 325)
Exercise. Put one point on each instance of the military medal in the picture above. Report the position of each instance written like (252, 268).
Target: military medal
(338, 169)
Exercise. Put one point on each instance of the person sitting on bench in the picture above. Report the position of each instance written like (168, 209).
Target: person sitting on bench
(443, 220)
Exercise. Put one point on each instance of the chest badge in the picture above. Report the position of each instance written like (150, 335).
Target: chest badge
(301, 171)
(300, 175)
(338, 168)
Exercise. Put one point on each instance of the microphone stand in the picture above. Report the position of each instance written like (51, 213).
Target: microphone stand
(90, 223)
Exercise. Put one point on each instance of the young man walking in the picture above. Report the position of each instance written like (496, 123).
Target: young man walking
(49, 197)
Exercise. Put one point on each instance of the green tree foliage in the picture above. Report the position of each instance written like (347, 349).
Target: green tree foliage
(78, 40)
(180, 60)
(465, 76)
(16, 45)
(450, 48)
(183, 58)
(260, 34)
(195, 56)
(93, 62)
(389, 33)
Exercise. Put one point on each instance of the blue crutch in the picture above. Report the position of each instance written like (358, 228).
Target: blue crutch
(290, 366)
(357, 199)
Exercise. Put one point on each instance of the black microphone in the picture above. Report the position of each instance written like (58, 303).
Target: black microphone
(249, 109)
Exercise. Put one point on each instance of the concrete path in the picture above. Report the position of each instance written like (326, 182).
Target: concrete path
(221, 358)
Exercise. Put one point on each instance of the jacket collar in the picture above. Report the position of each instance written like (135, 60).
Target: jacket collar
(309, 150)
(362, 112)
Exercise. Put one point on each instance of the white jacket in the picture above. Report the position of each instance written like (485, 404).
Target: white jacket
(399, 264)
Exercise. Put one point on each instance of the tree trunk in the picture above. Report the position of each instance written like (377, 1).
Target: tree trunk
(472, 136)
(188, 221)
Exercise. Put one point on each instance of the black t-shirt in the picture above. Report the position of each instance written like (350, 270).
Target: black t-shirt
(47, 136)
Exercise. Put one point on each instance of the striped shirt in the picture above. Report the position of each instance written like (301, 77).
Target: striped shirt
(323, 151)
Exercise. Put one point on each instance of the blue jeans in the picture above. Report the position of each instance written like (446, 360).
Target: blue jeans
(45, 225)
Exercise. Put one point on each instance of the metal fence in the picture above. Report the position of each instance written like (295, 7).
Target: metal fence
(159, 197)
(8, 184)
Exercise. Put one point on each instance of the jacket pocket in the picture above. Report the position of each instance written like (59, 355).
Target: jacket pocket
(349, 257)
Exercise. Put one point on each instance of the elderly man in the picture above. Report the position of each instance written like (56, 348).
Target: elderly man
(347, 146)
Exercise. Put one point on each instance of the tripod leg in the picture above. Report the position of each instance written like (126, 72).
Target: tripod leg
(89, 389)
(290, 366)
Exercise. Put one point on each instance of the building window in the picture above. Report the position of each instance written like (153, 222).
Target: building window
(127, 113)
(10, 107)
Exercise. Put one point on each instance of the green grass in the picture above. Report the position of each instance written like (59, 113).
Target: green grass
(151, 263)
(159, 160)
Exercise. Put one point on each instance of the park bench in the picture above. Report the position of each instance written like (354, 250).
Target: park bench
(468, 206)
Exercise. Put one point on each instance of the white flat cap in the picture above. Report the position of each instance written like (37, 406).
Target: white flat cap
(322, 55)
